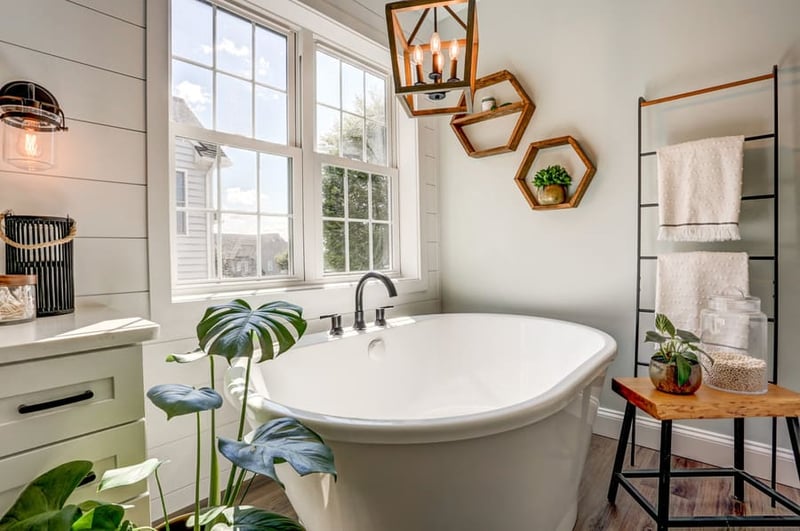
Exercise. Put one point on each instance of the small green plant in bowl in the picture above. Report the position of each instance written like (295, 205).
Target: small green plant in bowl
(551, 184)
(675, 367)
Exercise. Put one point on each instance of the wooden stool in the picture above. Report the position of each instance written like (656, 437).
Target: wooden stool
(706, 403)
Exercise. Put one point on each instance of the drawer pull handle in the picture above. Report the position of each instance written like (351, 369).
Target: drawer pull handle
(91, 476)
(33, 408)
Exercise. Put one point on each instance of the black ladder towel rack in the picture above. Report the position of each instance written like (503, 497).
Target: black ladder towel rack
(773, 77)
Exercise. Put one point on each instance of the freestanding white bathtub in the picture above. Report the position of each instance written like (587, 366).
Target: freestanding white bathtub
(453, 422)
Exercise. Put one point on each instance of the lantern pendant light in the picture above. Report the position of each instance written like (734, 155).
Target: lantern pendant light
(31, 116)
(419, 33)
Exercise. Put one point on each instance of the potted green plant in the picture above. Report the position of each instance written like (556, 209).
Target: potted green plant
(229, 331)
(675, 366)
(551, 184)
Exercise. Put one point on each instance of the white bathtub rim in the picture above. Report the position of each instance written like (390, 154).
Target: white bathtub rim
(441, 429)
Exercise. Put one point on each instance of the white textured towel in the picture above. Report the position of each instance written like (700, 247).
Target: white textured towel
(685, 281)
(700, 190)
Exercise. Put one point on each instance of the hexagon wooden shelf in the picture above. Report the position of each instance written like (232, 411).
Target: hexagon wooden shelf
(525, 107)
(527, 162)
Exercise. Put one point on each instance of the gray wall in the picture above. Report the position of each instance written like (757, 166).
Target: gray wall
(585, 64)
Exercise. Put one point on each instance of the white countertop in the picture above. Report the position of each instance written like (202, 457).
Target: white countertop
(86, 329)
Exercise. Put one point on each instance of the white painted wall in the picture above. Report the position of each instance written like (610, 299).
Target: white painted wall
(585, 64)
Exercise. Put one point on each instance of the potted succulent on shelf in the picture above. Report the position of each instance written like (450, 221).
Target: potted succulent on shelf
(229, 331)
(675, 367)
(551, 184)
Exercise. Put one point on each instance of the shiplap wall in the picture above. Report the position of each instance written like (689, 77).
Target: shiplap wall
(90, 54)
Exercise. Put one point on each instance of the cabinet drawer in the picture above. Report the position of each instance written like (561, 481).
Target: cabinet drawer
(54, 399)
(108, 449)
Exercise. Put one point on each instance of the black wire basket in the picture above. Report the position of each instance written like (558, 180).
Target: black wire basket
(42, 246)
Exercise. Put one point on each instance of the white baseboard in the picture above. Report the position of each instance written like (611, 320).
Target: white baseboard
(704, 446)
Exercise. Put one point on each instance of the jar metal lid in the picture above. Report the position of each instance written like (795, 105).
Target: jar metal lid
(17, 280)
(488, 98)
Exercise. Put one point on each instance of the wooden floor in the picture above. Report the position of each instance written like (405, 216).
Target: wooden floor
(690, 497)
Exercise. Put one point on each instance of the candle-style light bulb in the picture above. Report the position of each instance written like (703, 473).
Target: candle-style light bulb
(416, 59)
(454, 49)
(438, 64)
(436, 43)
(453, 60)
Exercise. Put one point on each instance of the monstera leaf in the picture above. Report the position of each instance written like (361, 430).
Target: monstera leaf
(179, 399)
(254, 519)
(283, 440)
(41, 505)
(228, 330)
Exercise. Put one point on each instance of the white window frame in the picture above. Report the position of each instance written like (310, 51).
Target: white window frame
(174, 308)
(316, 161)
(290, 151)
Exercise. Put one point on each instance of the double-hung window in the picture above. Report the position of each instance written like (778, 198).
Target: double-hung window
(352, 146)
(284, 164)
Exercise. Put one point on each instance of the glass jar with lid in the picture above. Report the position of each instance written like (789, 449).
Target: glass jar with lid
(17, 298)
(733, 332)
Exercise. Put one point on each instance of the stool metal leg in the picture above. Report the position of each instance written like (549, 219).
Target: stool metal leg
(794, 435)
(627, 423)
(738, 458)
(664, 470)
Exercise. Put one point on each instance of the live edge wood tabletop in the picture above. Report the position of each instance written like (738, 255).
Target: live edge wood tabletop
(707, 403)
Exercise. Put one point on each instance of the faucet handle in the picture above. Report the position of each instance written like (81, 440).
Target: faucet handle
(336, 323)
(380, 315)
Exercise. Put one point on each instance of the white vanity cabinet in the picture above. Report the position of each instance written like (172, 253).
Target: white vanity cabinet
(71, 388)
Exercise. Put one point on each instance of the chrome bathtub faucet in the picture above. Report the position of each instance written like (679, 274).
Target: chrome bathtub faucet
(358, 323)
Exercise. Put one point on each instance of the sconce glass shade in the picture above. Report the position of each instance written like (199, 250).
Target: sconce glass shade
(30, 115)
(434, 52)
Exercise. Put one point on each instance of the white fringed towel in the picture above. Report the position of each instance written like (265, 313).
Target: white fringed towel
(700, 190)
(685, 281)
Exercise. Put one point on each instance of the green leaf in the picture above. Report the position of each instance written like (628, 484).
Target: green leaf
(654, 337)
(684, 369)
(102, 518)
(121, 477)
(687, 336)
(229, 330)
(207, 515)
(187, 357)
(39, 506)
(179, 399)
(254, 519)
(664, 325)
(555, 174)
(47, 521)
(278, 441)
(690, 356)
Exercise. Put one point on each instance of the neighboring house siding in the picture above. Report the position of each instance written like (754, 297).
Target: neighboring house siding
(192, 249)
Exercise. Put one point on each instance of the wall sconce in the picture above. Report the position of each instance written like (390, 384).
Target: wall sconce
(31, 115)
(420, 31)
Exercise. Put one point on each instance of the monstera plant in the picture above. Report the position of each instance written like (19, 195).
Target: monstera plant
(229, 331)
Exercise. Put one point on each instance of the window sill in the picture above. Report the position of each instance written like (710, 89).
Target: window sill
(404, 285)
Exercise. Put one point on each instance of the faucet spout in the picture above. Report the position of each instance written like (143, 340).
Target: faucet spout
(359, 323)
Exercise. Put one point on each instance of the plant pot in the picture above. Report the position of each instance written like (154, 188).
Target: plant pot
(176, 523)
(665, 378)
(552, 194)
